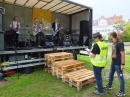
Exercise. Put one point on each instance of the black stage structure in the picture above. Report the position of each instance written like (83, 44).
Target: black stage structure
(35, 56)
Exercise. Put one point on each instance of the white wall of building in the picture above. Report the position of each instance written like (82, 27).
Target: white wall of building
(103, 27)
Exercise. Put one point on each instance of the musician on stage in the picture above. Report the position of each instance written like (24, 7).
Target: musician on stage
(67, 36)
(55, 31)
(38, 31)
(15, 27)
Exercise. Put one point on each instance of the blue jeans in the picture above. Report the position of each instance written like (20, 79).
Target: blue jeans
(120, 77)
(98, 77)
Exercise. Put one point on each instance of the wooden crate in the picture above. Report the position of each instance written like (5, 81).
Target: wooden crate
(79, 78)
(53, 57)
(62, 67)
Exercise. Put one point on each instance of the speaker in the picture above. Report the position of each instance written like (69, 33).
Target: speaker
(48, 45)
(2, 42)
(84, 37)
(84, 27)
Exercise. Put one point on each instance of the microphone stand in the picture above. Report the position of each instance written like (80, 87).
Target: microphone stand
(16, 58)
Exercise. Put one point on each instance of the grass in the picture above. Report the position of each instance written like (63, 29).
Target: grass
(42, 84)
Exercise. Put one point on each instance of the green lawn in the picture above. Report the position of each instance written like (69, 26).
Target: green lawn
(42, 84)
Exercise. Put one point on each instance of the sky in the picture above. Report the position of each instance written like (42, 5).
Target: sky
(108, 8)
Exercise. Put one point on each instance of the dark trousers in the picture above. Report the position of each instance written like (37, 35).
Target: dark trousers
(37, 38)
(56, 39)
(14, 40)
(116, 68)
(98, 77)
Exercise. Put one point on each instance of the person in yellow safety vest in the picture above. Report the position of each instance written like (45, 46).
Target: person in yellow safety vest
(98, 60)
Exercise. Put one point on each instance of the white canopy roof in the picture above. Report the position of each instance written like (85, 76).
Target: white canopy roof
(59, 6)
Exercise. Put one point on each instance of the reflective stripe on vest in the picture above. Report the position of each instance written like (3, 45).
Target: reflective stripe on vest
(100, 60)
(97, 61)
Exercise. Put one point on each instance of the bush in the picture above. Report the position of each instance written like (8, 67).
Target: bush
(126, 38)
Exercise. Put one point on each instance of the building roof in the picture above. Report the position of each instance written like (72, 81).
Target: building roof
(115, 18)
(59, 6)
(110, 20)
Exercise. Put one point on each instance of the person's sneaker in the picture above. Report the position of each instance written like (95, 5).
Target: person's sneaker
(105, 87)
(97, 93)
(39, 46)
(120, 94)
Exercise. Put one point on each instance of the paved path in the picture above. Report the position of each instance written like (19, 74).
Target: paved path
(125, 43)
(127, 46)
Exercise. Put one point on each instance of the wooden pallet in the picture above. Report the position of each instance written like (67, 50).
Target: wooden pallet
(53, 57)
(49, 70)
(62, 67)
(79, 78)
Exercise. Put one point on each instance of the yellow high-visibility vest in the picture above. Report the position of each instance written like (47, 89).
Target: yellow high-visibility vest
(100, 60)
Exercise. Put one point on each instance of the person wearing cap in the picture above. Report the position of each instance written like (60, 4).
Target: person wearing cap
(99, 60)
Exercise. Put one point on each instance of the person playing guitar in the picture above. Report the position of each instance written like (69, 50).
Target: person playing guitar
(55, 31)
(15, 27)
(37, 31)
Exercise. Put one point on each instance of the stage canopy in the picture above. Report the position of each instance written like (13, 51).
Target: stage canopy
(59, 6)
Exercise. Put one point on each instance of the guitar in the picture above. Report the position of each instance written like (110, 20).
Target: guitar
(55, 32)
(16, 30)
(35, 32)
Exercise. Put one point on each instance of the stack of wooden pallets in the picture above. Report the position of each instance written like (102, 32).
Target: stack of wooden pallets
(62, 67)
(54, 57)
(79, 78)
(69, 70)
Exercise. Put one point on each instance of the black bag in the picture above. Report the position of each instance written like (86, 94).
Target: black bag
(11, 31)
(2, 75)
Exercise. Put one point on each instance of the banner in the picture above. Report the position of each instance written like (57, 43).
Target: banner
(43, 16)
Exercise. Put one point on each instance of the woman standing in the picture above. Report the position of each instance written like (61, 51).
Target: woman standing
(15, 27)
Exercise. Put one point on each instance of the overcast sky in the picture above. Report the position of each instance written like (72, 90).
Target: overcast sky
(108, 8)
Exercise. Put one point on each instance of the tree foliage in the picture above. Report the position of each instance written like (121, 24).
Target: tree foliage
(126, 27)
(118, 25)
(126, 37)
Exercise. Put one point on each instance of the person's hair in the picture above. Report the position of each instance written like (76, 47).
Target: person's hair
(56, 18)
(114, 35)
(67, 29)
(35, 18)
(14, 17)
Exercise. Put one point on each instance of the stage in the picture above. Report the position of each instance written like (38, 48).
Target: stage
(14, 59)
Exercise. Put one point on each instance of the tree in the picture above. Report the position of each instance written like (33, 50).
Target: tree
(119, 28)
(126, 37)
(118, 25)
(104, 37)
(127, 29)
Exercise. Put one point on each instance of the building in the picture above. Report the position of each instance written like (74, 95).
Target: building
(129, 20)
(105, 25)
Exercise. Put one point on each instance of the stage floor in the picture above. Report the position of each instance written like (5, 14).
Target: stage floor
(36, 49)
